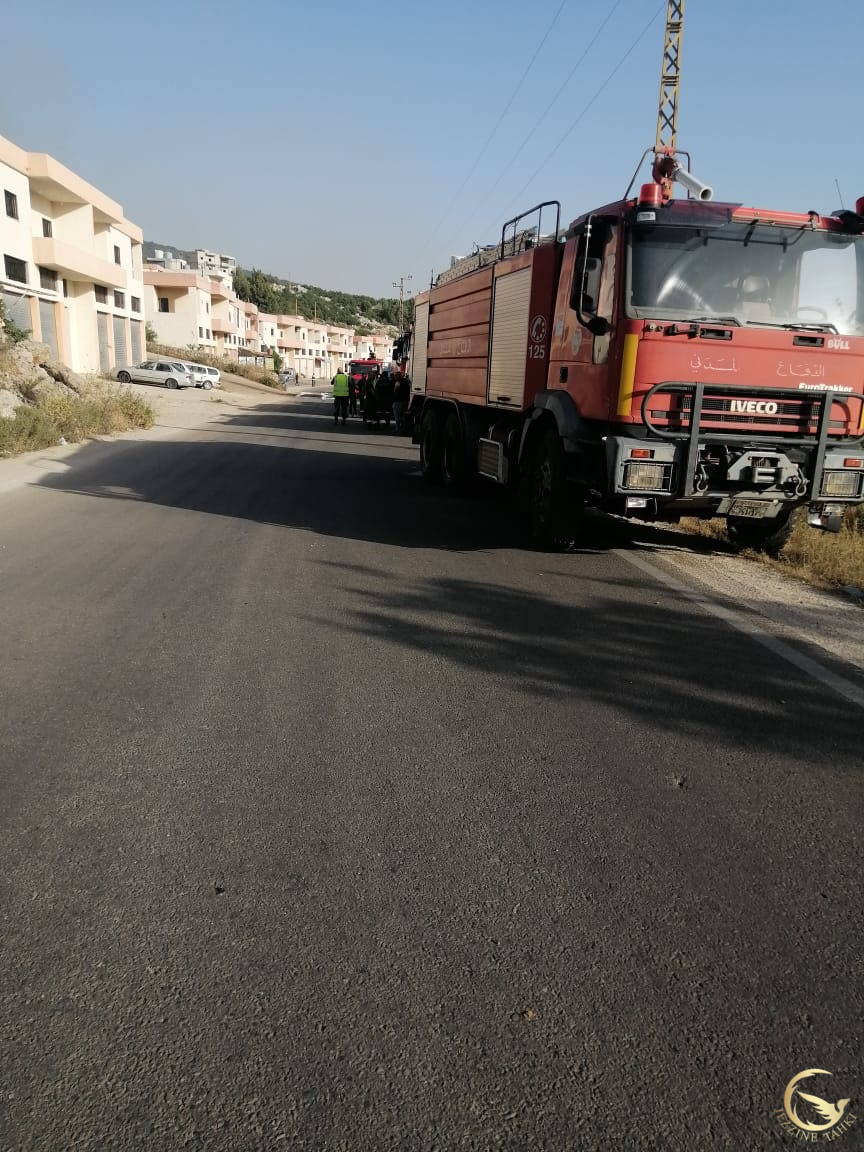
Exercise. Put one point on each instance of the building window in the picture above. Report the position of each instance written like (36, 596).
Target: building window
(47, 227)
(116, 254)
(65, 287)
(207, 307)
(101, 293)
(163, 303)
(209, 337)
(200, 332)
(12, 205)
(15, 269)
(119, 300)
(48, 279)
(136, 303)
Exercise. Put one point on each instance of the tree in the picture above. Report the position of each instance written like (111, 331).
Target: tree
(150, 334)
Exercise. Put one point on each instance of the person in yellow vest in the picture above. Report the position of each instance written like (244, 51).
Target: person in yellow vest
(341, 392)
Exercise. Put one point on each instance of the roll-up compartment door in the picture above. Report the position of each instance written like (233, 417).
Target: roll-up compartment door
(510, 313)
(419, 347)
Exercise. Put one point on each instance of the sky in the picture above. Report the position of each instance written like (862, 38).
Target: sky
(352, 145)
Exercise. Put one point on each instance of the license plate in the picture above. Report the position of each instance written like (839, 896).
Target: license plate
(750, 509)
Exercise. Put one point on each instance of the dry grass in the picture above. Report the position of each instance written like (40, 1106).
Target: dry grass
(102, 411)
(825, 559)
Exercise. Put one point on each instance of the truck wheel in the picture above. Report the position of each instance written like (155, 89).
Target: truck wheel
(454, 471)
(767, 536)
(430, 447)
(550, 523)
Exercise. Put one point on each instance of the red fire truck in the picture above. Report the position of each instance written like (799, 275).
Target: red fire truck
(658, 358)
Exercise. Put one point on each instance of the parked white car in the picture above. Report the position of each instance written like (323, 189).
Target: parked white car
(202, 375)
(171, 373)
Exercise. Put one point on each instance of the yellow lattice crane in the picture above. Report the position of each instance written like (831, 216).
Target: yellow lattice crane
(670, 75)
(667, 169)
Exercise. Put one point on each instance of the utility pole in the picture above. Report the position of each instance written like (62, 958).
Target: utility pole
(401, 287)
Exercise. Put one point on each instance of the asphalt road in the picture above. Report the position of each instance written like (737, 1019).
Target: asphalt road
(332, 820)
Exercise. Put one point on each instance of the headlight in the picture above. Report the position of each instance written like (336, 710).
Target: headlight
(846, 483)
(646, 476)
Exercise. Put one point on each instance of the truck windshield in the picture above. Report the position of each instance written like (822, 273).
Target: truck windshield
(356, 369)
(756, 273)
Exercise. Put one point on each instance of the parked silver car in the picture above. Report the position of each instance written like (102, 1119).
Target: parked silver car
(171, 373)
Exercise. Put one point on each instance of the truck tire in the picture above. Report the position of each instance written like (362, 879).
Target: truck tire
(551, 522)
(454, 465)
(767, 536)
(430, 447)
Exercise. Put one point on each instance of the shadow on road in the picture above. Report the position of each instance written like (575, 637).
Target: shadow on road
(292, 467)
(654, 658)
(613, 638)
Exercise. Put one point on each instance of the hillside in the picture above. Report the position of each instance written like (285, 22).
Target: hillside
(272, 294)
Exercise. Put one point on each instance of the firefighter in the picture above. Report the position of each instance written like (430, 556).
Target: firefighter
(401, 399)
(353, 390)
(341, 393)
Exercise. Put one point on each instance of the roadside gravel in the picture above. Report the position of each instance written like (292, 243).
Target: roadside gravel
(826, 620)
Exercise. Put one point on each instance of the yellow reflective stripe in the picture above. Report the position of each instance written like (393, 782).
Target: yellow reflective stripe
(628, 373)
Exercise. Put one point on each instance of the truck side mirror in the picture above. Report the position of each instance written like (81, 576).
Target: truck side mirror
(586, 289)
(598, 325)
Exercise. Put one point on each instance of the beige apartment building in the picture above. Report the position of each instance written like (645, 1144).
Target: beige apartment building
(178, 305)
(378, 344)
(313, 349)
(191, 309)
(72, 268)
(188, 307)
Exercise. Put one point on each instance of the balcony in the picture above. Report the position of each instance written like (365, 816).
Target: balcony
(76, 263)
(223, 327)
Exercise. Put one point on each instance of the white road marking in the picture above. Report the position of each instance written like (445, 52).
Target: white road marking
(812, 668)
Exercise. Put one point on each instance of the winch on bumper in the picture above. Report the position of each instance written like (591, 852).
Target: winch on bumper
(681, 466)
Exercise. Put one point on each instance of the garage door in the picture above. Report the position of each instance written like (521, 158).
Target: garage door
(17, 309)
(104, 350)
(121, 352)
(137, 343)
(48, 320)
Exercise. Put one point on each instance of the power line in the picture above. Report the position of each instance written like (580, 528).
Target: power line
(479, 208)
(551, 104)
(498, 123)
(593, 100)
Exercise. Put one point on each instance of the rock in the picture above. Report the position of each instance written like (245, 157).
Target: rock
(9, 401)
(22, 358)
(8, 382)
(64, 375)
(45, 385)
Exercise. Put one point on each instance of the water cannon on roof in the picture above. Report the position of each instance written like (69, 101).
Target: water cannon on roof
(667, 171)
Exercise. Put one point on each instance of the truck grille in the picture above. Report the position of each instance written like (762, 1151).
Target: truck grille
(798, 416)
